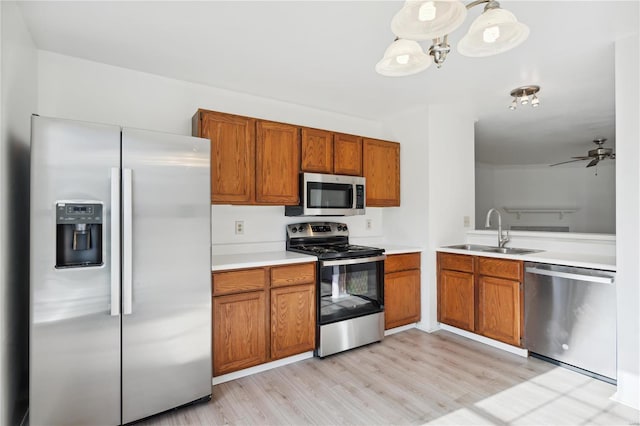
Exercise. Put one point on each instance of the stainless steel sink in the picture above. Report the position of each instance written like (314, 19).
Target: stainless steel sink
(491, 249)
(511, 250)
(470, 247)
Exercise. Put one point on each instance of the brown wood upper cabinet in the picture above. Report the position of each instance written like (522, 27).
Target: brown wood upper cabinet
(233, 152)
(347, 154)
(277, 160)
(329, 152)
(482, 294)
(381, 168)
(317, 151)
(252, 161)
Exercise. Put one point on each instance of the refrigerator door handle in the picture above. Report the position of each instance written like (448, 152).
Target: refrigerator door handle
(127, 242)
(115, 241)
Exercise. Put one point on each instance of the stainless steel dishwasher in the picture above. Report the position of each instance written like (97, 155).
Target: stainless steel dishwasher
(570, 317)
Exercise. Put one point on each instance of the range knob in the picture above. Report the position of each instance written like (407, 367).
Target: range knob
(300, 228)
(294, 229)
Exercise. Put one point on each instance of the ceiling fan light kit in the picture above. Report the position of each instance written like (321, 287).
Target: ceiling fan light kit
(525, 95)
(495, 31)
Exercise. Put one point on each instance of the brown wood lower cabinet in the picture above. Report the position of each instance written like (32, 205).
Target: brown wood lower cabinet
(401, 290)
(262, 314)
(293, 319)
(239, 331)
(455, 299)
(499, 309)
(482, 295)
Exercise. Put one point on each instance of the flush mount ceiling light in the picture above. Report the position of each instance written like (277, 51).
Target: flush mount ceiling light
(495, 31)
(525, 95)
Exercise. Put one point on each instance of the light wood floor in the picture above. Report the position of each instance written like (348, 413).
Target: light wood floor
(411, 378)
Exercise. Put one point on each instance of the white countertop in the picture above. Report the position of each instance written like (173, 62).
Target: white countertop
(399, 249)
(222, 262)
(607, 263)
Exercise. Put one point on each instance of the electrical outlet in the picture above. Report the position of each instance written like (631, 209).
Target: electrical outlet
(369, 224)
(239, 227)
(467, 221)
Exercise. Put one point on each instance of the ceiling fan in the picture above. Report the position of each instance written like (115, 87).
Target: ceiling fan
(595, 155)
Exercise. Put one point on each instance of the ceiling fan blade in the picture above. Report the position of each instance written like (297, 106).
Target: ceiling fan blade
(570, 161)
(593, 162)
(582, 158)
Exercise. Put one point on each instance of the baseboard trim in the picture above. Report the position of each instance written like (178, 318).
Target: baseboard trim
(399, 329)
(494, 343)
(260, 368)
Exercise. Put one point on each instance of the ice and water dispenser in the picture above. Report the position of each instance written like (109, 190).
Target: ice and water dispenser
(78, 234)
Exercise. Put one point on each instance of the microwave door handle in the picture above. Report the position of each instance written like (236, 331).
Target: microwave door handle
(352, 198)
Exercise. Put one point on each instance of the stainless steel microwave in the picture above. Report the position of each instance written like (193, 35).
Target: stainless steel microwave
(329, 195)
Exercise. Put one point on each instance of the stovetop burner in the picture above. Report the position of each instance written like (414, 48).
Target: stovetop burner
(326, 240)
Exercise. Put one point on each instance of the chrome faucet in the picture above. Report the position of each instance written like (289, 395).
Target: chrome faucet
(501, 240)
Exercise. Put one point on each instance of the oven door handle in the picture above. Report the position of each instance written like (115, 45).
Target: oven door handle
(355, 261)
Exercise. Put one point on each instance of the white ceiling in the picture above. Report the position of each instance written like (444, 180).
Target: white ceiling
(322, 54)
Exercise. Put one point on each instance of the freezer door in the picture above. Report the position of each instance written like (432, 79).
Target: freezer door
(74, 338)
(166, 332)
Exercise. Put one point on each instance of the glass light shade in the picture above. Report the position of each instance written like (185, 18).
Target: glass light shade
(426, 20)
(493, 32)
(524, 99)
(403, 57)
(513, 105)
(535, 102)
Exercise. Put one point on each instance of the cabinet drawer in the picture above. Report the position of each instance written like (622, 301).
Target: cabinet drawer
(456, 262)
(239, 281)
(401, 262)
(500, 268)
(293, 274)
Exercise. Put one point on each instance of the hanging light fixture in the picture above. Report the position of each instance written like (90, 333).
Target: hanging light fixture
(525, 95)
(403, 57)
(495, 31)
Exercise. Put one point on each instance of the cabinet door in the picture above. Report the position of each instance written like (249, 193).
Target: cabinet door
(499, 309)
(347, 154)
(401, 298)
(456, 299)
(293, 319)
(381, 167)
(317, 151)
(239, 331)
(232, 156)
(277, 163)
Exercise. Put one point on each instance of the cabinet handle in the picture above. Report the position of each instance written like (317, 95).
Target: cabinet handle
(570, 276)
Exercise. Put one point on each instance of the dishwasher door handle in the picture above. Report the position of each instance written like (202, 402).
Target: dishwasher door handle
(569, 275)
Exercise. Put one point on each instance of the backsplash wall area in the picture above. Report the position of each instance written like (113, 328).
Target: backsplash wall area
(540, 187)
(264, 227)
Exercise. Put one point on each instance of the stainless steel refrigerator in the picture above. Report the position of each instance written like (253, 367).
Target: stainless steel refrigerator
(120, 272)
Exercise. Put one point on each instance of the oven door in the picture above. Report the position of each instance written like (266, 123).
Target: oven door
(350, 288)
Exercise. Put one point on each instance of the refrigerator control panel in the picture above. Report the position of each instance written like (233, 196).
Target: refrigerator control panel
(78, 213)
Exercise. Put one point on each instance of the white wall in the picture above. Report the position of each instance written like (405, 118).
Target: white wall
(451, 189)
(628, 219)
(437, 188)
(84, 90)
(408, 224)
(543, 186)
(18, 93)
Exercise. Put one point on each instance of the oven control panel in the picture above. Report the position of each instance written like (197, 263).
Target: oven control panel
(317, 229)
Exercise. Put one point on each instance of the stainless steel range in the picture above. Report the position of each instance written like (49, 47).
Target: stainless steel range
(350, 294)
